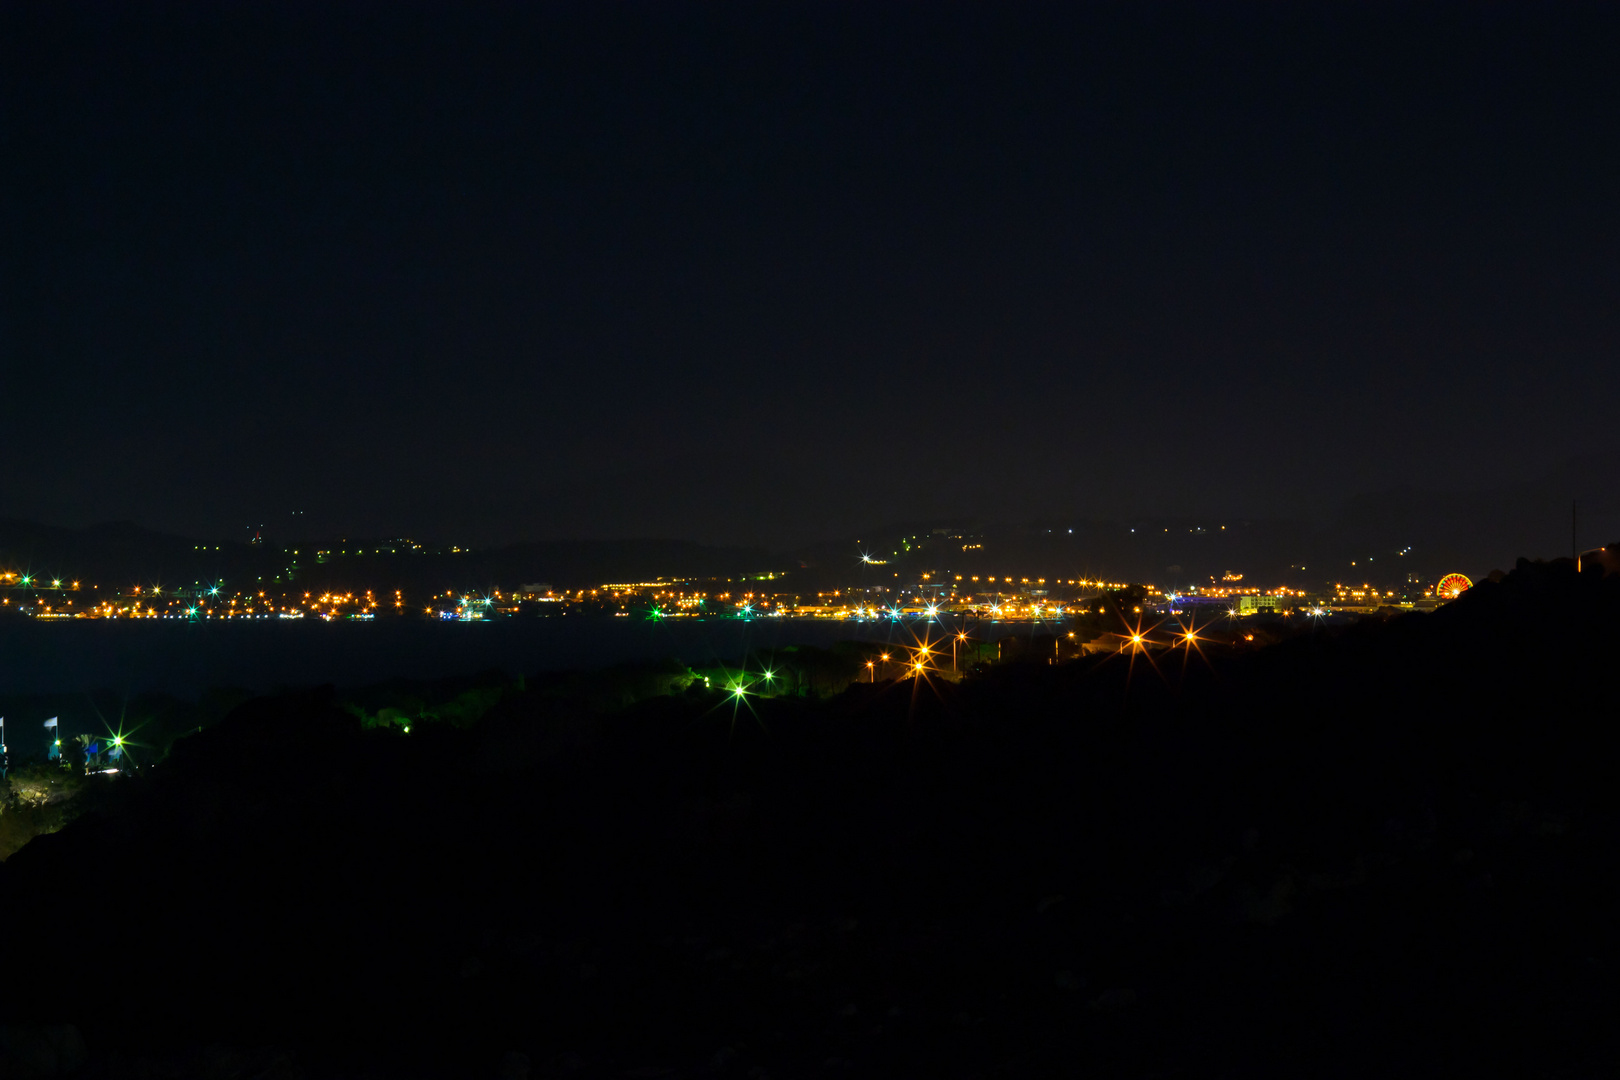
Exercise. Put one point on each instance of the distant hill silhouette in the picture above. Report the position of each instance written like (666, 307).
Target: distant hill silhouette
(108, 553)
(570, 563)
(1380, 537)
(121, 554)
(1473, 529)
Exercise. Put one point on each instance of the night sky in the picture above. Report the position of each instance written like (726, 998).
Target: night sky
(753, 273)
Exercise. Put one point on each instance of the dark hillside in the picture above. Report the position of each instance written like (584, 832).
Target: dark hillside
(118, 555)
(1389, 851)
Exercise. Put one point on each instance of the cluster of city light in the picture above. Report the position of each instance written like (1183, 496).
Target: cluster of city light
(17, 578)
(1006, 579)
(658, 599)
(1217, 592)
(930, 596)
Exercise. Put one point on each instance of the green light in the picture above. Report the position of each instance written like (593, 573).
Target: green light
(769, 675)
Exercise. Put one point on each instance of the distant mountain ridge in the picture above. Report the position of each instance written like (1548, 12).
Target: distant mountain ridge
(102, 553)
(119, 553)
(1575, 504)
(1382, 536)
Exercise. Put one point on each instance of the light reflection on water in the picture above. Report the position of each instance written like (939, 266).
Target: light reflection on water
(187, 658)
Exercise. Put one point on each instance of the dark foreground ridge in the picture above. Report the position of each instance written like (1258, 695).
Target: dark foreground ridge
(1390, 851)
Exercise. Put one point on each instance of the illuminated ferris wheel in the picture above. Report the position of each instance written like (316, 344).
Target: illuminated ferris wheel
(1452, 586)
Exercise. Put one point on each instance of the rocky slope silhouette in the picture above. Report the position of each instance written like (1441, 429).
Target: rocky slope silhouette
(1391, 849)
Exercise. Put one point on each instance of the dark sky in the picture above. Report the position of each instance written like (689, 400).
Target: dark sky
(755, 273)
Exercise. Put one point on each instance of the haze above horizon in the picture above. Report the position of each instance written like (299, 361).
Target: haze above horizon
(777, 276)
